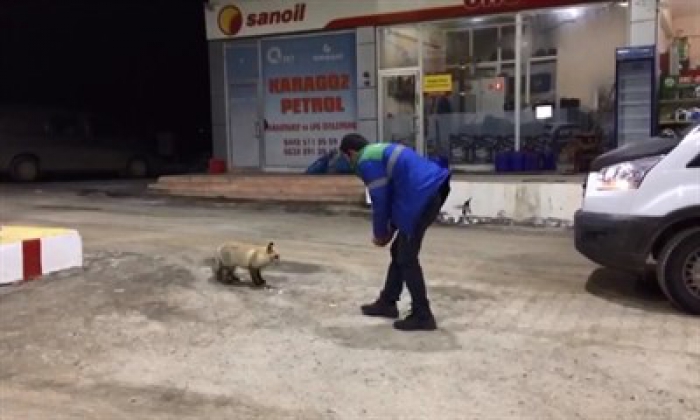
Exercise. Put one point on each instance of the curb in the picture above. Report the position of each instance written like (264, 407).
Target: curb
(28, 252)
(354, 208)
(363, 210)
(360, 208)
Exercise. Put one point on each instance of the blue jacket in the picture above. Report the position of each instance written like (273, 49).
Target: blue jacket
(401, 183)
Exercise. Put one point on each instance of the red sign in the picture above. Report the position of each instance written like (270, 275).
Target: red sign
(509, 6)
(468, 8)
(483, 4)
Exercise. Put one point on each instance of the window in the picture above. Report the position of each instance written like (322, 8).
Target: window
(695, 163)
(458, 47)
(472, 123)
(399, 47)
(566, 65)
(21, 124)
(64, 125)
(485, 45)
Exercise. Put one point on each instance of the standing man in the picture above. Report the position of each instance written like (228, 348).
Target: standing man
(407, 194)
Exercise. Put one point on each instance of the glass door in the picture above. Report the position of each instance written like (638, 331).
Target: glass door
(400, 107)
(635, 100)
(245, 128)
(636, 92)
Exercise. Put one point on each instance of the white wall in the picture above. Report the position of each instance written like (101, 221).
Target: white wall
(586, 49)
(642, 22)
(515, 201)
(510, 201)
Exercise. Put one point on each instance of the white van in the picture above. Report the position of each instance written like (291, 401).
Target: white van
(642, 204)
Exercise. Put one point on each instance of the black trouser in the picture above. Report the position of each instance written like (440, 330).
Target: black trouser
(405, 266)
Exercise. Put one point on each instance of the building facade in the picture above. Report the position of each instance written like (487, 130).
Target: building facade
(463, 78)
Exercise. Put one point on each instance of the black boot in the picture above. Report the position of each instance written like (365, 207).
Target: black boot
(381, 308)
(420, 319)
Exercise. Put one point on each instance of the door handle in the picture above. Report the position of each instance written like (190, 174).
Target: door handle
(258, 129)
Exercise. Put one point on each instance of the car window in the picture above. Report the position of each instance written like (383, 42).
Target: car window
(66, 126)
(692, 129)
(21, 125)
(695, 163)
(695, 129)
(104, 127)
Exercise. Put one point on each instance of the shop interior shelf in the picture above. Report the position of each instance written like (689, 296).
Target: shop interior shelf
(634, 117)
(635, 103)
(676, 122)
(635, 90)
(680, 101)
(489, 64)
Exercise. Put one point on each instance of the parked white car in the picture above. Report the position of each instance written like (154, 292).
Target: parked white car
(642, 204)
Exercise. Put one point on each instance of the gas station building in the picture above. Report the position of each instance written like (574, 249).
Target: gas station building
(466, 79)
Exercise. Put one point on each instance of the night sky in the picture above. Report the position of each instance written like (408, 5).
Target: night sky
(141, 59)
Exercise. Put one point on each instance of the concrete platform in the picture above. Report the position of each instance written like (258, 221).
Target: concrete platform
(28, 252)
(276, 188)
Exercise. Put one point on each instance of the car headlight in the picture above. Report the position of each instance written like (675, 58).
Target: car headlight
(626, 175)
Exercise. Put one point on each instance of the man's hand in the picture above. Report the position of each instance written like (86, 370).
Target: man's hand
(381, 242)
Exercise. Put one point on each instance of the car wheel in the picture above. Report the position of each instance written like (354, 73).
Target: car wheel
(648, 279)
(679, 271)
(137, 168)
(24, 169)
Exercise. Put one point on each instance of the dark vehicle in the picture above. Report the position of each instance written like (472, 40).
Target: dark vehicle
(34, 142)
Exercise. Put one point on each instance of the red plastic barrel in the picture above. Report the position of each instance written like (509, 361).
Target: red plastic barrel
(217, 166)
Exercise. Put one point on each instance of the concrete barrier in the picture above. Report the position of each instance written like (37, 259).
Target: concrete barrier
(511, 202)
(29, 252)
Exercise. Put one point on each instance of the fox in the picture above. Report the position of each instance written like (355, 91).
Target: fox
(231, 255)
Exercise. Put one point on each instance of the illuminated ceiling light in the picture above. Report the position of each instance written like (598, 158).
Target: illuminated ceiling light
(571, 13)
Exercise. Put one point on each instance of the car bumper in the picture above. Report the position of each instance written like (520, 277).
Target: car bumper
(614, 241)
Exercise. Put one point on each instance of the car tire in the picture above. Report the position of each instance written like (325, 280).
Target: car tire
(24, 169)
(648, 279)
(137, 168)
(678, 271)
